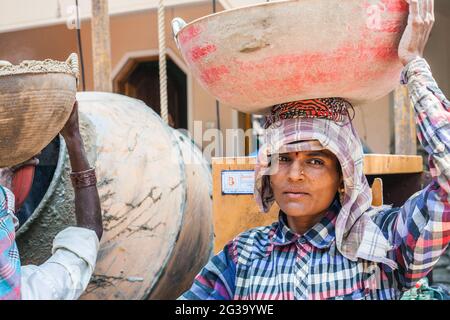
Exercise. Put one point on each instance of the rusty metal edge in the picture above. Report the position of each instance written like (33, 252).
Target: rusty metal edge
(55, 179)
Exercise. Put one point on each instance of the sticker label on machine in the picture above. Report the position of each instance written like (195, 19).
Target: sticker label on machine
(238, 181)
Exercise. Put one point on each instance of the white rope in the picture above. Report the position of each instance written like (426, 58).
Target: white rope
(162, 63)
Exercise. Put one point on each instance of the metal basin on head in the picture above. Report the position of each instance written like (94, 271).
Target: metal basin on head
(254, 57)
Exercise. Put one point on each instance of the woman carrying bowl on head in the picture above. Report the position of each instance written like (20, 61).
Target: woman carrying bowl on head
(329, 242)
(66, 274)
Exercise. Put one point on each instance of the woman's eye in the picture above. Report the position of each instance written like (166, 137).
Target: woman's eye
(316, 162)
(283, 159)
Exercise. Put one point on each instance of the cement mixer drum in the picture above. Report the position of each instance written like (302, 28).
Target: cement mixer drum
(155, 189)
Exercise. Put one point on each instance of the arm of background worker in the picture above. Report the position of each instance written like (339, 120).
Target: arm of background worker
(87, 202)
(66, 274)
(216, 281)
(420, 231)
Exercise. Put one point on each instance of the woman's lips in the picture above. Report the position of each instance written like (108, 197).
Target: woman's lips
(296, 195)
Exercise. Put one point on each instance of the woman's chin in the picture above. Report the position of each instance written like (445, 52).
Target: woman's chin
(295, 209)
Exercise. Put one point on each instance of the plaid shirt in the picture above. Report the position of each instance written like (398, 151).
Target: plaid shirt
(274, 263)
(9, 255)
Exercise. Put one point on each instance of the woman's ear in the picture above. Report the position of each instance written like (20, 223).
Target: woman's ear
(341, 184)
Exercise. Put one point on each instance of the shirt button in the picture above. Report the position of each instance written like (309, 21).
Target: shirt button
(302, 240)
(440, 147)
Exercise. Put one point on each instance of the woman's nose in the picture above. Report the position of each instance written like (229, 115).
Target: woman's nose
(296, 171)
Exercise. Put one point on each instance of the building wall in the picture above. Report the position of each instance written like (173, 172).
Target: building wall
(24, 14)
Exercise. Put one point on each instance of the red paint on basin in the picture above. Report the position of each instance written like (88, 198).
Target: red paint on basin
(303, 72)
(336, 64)
(189, 33)
(396, 6)
(214, 74)
(391, 27)
(200, 52)
(393, 6)
(357, 60)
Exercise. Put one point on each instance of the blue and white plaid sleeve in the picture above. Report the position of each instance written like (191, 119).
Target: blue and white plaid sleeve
(10, 269)
(216, 281)
(420, 229)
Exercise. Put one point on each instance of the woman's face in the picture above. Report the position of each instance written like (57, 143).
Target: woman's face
(306, 182)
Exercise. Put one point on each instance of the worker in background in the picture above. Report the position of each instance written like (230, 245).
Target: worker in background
(66, 274)
(329, 242)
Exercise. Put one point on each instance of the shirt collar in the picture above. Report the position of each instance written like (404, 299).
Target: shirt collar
(321, 235)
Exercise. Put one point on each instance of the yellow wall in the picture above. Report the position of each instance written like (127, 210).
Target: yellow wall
(372, 121)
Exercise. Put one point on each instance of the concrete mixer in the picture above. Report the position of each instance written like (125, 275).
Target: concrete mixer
(155, 189)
